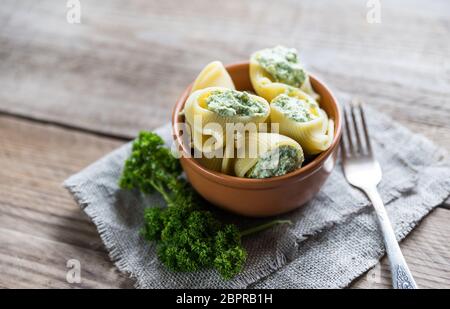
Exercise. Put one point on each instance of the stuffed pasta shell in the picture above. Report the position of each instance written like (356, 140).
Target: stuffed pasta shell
(222, 162)
(209, 110)
(277, 70)
(268, 155)
(213, 75)
(302, 119)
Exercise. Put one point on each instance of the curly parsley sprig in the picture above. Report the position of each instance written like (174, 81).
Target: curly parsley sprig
(188, 236)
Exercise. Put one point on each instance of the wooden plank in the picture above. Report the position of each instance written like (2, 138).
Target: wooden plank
(122, 69)
(41, 227)
(427, 252)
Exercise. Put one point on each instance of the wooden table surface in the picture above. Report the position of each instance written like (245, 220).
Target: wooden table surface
(71, 93)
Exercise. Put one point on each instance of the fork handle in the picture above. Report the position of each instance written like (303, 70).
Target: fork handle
(401, 276)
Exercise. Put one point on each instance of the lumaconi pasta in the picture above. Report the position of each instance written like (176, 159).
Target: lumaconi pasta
(214, 164)
(304, 121)
(216, 107)
(222, 162)
(208, 143)
(277, 70)
(268, 155)
(213, 75)
(228, 157)
(278, 77)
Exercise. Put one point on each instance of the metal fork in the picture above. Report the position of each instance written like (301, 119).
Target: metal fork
(363, 171)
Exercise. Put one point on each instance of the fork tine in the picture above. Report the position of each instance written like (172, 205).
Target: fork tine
(345, 144)
(356, 127)
(343, 147)
(347, 131)
(366, 130)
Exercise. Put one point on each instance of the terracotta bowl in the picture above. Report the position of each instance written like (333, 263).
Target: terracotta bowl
(260, 197)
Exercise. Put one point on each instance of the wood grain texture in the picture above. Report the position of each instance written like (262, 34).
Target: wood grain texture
(41, 227)
(123, 67)
(427, 252)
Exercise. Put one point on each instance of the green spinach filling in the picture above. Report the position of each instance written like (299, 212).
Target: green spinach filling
(234, 103)
(295, 109)
(283, 65)
(277, 162)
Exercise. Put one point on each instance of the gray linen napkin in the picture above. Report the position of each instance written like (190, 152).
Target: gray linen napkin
(333, 240)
